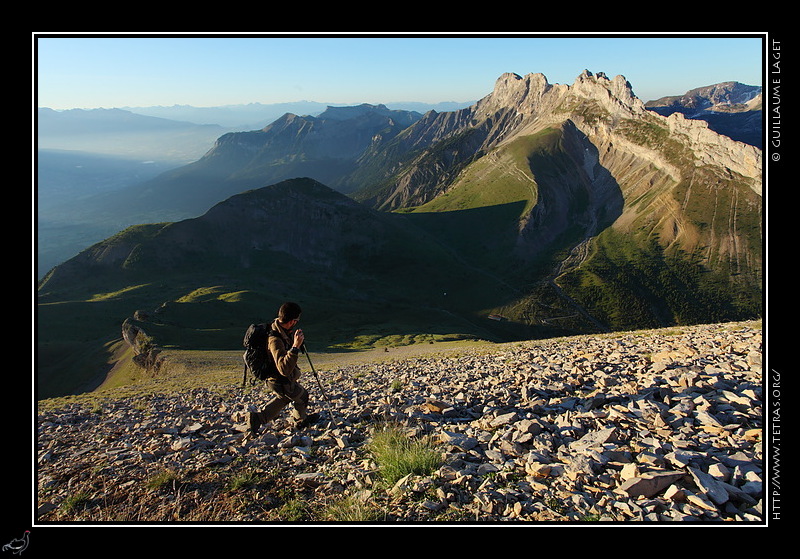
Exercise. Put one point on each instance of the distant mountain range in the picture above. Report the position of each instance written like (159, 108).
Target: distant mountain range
(730, 108)
(179, 134)
(542, 209)
(98, 151)
(254, 116)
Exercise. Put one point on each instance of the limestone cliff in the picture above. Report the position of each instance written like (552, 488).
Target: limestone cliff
(603, 109)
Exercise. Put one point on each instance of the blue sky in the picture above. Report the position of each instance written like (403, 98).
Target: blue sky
(112, 71)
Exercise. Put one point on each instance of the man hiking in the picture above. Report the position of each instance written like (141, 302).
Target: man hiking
(284, 343)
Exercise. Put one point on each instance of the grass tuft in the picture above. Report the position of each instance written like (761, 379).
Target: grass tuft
(351, 509)
(398, 455)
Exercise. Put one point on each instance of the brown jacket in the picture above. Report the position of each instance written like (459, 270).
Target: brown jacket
(279, 347)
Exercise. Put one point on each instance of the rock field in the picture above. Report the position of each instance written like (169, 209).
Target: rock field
(656, 426)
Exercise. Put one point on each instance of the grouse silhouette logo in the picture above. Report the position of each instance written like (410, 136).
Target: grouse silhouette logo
(18, 545)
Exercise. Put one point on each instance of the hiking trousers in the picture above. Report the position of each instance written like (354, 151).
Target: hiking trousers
(286, 392)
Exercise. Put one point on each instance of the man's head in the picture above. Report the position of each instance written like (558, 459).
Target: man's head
(289, 312)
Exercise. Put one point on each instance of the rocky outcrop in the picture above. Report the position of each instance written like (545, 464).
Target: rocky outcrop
(655, 426)
(145, 353)
(711, 148)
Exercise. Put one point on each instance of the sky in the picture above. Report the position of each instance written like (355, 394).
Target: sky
(107, 71)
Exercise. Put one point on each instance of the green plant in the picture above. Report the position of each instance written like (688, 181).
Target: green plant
(555, 505)
(397, 454)
(293, 510)
(162, 479)
(242, 481)
(351, 509)
(75, 502)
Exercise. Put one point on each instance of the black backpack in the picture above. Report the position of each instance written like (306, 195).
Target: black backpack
(257, 358)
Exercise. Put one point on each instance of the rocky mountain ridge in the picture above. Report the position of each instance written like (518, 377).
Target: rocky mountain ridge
(523, 106)
(655, 427)
(721, 97)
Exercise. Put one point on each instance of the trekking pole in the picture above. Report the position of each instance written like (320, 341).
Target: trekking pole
(319, 382)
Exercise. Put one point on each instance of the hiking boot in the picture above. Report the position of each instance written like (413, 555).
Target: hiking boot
(253, 422)
(310, 419)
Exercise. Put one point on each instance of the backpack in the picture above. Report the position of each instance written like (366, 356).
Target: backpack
(257, 358)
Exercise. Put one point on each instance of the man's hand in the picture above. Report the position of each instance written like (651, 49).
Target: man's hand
(299, 338)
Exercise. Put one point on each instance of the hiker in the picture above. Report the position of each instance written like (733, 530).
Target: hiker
(284, 344)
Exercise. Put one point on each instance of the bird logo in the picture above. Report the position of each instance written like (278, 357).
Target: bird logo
(18, 545)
